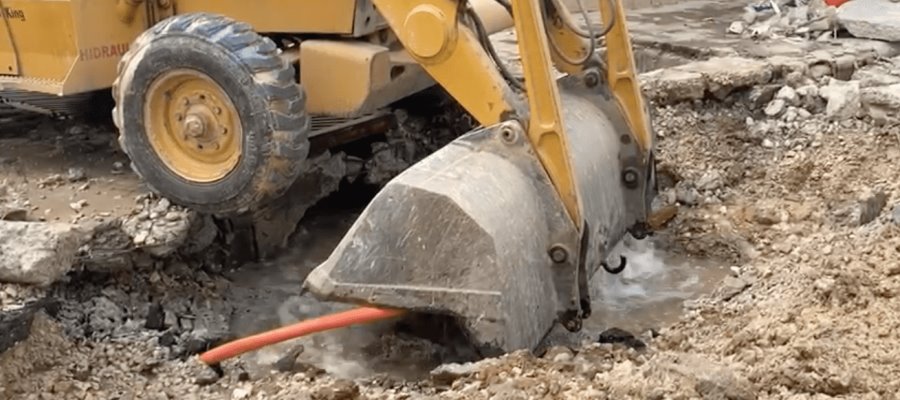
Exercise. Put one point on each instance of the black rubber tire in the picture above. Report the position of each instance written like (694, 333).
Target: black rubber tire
(270, 103)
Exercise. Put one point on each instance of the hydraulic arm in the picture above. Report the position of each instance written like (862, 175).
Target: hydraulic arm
(503, 228)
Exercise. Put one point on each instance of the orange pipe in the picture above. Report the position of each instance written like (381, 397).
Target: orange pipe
(356, 316)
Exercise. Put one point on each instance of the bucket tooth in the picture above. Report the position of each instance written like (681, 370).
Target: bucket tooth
(477, 231)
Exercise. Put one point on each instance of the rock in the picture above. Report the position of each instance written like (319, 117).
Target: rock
(775, 108)
(895, 214)
(341, 389)
(710, 180)
(871, 207)
(672, 85)
(205, 375)
(871, 19)
(446, 374)
(765, 214)
(240, 393)
(808, 91)
(156, 317)
(160, 229)
(288, 362)
(559, 354)
(37, 253)
(200, 340)
(789, 95)
(790, 115)
(843, 99)
(733, 286)
(736, 27)
(621, 336)
(762, 95)
(726, 74)
(15, 325)
(881, 103)
(202, 235)
(875, 75)
(794, 79)
(78, 205)
(686, 194)
(710, 379)
(76, 174)
(818, 71)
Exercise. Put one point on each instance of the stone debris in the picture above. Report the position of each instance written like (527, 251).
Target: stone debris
(718, 77)
(15, 324)
(843, 99)
(158, 226)
(882, 103)
(872, 19)
(789, 95)
(38, 253)
(769, 19)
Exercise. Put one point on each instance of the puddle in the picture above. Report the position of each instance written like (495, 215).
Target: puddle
(649, 293)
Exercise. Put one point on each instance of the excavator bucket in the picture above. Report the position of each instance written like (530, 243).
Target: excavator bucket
(477, 231)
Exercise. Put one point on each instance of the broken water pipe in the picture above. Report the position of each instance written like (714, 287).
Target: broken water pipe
(356, 316)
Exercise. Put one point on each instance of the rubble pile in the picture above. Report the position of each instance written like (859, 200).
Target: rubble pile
(819, 19)
(841, 85)
(810, 19)
(871, 93)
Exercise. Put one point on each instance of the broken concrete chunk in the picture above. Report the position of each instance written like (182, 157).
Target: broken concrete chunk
(843, 99)
(725, 74)
(876, 75)
(37, 253)
(672, 85)
(733, 286)
(881, 103)
(789, 95)
(736, 27)
(775, 108)
(871, 19)
(448, 373)
(808, 91)
(711, 180)
(761, 95)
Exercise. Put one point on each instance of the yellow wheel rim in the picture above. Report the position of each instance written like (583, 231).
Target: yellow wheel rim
(193, 126)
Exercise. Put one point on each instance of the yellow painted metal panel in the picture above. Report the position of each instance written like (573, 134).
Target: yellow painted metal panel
(9, 60)
(307, 16)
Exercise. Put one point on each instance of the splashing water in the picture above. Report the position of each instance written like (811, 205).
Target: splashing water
(651, 290)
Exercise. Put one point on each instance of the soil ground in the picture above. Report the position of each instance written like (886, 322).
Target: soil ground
(790, 231)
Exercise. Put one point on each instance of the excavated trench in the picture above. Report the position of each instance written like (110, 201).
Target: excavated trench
(645, 297)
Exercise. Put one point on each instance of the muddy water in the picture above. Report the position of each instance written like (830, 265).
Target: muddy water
(648, 294)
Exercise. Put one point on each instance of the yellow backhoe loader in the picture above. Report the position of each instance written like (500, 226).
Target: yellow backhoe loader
(502, 229)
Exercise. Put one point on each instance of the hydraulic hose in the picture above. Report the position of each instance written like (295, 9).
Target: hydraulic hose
(356, 316)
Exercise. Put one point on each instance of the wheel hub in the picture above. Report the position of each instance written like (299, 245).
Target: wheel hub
(193, 126)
